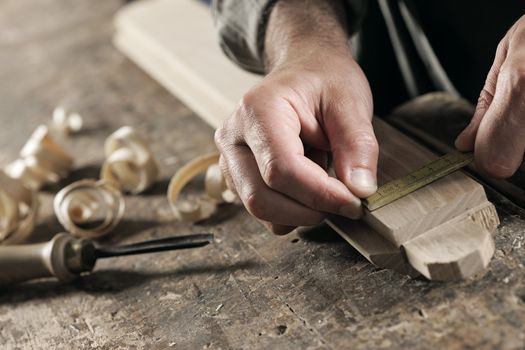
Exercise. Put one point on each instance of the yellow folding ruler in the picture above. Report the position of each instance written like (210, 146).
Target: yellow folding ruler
(429, 173)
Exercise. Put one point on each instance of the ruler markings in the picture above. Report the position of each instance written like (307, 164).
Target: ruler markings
(417, 179)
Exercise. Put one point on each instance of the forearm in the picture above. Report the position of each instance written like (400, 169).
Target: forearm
(300, 28)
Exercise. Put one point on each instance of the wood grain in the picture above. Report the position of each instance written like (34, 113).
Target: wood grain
(374, 247)
(427, 207)
(452, 251)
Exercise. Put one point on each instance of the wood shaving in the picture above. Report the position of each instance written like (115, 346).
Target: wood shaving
(18, 210)
(41, 161)
(129, 161)
(216, 190)
(89, 208)
(66, 122)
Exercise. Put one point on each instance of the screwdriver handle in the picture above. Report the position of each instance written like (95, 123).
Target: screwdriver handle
(26, 262)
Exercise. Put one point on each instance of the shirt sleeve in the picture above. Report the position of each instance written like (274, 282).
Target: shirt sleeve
(241, 25)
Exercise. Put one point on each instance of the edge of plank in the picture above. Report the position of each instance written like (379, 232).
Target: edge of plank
(457, 249)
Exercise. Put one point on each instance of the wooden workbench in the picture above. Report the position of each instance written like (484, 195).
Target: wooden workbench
(249, 290)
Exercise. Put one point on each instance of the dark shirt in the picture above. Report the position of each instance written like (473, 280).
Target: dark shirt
(447, 45)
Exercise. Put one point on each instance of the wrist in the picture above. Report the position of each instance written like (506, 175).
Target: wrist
(291, 37)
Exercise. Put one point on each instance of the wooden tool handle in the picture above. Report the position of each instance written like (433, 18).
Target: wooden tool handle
(20, 263)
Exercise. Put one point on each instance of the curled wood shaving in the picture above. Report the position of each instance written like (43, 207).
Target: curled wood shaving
(32, 177)
(41, 161)
(129, 162)
(66, 122)
(89, 208)
(18, 210)
(216, 191)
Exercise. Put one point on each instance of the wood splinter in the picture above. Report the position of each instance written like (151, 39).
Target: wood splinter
(42, 161)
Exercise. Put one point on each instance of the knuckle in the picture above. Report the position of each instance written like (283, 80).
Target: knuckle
(513, 72)
(519, 74)
(320, 199)
(220, 136)
(275, 173)
(228, 133)
(484, 100)
(502, 48)
(249, 99)
(254, 96)
(363, 140)
(253, 107)
(256, 205)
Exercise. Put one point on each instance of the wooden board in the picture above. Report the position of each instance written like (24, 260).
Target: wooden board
(154, 35)
(426, 208)
(174, 42)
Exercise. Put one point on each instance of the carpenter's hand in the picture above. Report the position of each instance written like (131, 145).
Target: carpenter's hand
(276, 145)
(497, 130)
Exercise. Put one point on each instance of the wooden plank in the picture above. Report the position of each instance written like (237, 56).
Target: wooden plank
(154, 35)
(174, 42)
(418, 256)
(427, 207)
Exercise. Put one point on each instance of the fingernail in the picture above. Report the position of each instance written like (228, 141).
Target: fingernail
(364, 180)
(352, 210)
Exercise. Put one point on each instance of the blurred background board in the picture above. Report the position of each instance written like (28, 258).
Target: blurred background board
(174, 42)
(251, 289)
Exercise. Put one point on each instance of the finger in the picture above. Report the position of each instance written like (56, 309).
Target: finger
(226, 174)
(284, 168)
(465, 141)
(354, 145)
(261, 201)
(303, 102)
(500, 140)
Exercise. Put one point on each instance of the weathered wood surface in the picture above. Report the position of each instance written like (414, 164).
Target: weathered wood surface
(308, 290)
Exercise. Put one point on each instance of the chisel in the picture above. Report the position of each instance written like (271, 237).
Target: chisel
(65, 257)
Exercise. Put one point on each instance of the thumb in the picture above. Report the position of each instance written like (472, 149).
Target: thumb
(354, 147)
